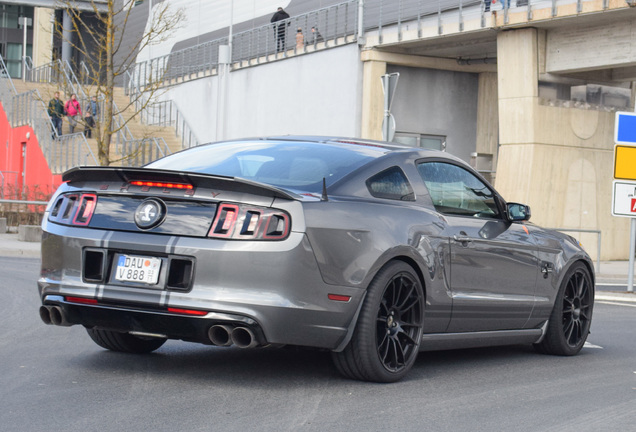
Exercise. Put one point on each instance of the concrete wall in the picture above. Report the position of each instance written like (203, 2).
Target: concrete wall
(317, 93)
(438, 102)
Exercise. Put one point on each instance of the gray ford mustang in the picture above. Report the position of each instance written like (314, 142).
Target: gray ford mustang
(372, 251)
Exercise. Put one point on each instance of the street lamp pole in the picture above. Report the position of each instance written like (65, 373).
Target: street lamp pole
(25, 23)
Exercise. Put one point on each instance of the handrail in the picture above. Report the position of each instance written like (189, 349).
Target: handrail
(4, 74)
(142, 151)
(161, 113)
(61, 152)
(86, 73)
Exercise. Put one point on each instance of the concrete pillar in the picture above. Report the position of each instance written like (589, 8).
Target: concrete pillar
(555, 157)
(67, 35)
(517, 73)
(372, 100)
(487, 123)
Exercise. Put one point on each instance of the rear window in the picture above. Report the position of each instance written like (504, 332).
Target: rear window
(289, 165)
(391, 184)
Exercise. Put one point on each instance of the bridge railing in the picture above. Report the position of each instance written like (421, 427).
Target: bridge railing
(325, 27)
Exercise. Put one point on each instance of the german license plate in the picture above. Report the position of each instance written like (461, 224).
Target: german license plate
(135, 268)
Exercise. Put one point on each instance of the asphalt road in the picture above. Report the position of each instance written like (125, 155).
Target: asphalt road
(57, 379)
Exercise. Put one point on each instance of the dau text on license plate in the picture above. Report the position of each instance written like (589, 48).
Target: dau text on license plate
(133, 268)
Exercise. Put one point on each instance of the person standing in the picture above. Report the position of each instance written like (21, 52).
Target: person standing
(56, 112)
(300, 39)
(73, 109)
(91, 111)
(317, 37)
(279, 29)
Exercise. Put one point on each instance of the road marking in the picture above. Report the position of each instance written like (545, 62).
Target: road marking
(589, 345)
(617, 304)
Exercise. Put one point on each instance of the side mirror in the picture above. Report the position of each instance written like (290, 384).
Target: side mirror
(518, 212)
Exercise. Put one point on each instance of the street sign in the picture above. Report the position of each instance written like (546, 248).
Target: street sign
(388, 129)
(624, 162)
(389, 85)
(624, 199)
(625, 129)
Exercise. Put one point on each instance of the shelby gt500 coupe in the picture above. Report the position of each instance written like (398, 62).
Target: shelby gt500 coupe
(372, 251)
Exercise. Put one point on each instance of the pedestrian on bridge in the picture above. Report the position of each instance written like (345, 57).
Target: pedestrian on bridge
(91, 111)
(280, 29)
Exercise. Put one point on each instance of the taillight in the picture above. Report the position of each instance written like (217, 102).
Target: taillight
(74, 209)
(85, 210)
(239, 222)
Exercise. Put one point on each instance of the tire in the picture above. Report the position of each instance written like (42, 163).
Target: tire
(124, 342)
(571, 316)
(387, 337)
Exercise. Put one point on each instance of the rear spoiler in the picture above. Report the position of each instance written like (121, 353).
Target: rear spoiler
(210, 181)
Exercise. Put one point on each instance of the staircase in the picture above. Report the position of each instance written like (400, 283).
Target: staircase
(138, 130)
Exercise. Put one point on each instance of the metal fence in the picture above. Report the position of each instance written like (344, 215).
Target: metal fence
(139, 152)
(326, 27)
(167, 113)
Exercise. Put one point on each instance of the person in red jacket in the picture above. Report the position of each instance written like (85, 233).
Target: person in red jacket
(73, 109)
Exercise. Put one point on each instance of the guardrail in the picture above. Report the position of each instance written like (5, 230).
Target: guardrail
(598, 241)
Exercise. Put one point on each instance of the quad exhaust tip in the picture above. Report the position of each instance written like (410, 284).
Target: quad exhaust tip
(225, 335)
(53, 315)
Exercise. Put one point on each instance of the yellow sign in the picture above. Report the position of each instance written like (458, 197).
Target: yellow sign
(625, 162)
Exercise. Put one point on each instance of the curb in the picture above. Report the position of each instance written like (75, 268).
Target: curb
(614, 296)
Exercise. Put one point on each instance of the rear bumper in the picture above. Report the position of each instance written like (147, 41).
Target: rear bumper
(135, 319)
(274, 288)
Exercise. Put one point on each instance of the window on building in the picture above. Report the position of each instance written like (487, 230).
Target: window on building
(434, 142)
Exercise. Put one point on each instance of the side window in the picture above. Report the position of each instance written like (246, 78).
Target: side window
(391, 184)
(457, 191)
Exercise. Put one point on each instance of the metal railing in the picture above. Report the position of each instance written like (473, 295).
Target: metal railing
(59, 72)
(161, 113)
(61, 152)
(332, 26)
(62, 73)
(199, 59)
(167, 113)
(139, 152)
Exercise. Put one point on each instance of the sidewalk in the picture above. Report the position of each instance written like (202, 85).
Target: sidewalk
(611, 280)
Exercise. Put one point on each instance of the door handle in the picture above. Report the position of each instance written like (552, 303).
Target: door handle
(462, 237)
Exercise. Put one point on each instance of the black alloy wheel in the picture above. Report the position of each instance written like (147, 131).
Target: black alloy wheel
(386, 341)
(571, 317)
